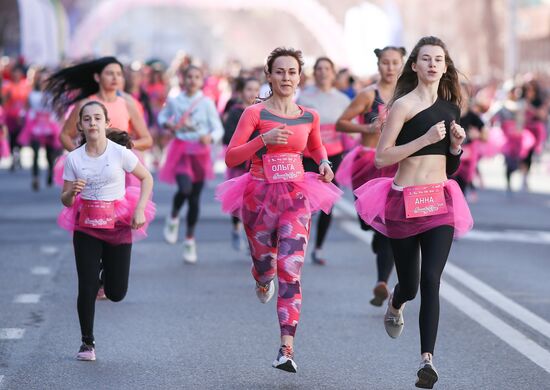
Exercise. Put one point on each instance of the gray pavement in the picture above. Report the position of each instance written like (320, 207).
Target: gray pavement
(201, 326)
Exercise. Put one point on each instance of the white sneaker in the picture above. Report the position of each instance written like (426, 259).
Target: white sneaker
(285, 360)
(171, 228)
(189, 251)
(265, 293)
(394, 323)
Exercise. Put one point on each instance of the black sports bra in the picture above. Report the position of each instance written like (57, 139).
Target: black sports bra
(374, 111)
(419, 125)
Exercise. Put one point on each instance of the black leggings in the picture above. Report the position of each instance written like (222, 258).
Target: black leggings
(187, 190)
(89, 251)
(435, 245)
(324, 220)
(384, 256)
(382, 248)
(51, 154)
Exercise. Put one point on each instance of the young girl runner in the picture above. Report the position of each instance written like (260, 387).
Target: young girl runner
(357, 168)
(196, 125)
(276, 198)
(105, 216)
(419, 209)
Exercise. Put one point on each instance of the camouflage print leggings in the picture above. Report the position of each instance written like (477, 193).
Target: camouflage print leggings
(277, 225)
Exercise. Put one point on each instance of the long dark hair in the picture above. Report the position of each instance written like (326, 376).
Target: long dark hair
(80, 113)
(120, 137)
(69, 85)
(449, 86)
(282, 52)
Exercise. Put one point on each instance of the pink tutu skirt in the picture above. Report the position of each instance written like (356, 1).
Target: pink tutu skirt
(348, 141)
(181, 159)
(232, 173)
(239, 194)
(538, 130)
(124, 212)
(381, 205)
(42, 129)
(518, 143)
(4, 148)
(58, 168)
(357, 168)
(468, 161)
(494, 144)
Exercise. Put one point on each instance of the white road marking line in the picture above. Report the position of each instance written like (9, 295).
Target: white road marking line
(1, 379)
(27, 298)
(524, 236)
(493, 296)
(477, 286)
(41, 271)
(11, 333)
(512, 337)
(49, 250)
(502, 330)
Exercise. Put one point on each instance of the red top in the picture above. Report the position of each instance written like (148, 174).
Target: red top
(257, 119)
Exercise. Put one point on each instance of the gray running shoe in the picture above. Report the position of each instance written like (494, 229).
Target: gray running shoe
(394, 323)
(427, 374)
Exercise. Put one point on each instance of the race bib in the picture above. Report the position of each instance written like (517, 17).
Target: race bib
(329, 134)
(424, 200)
(283, 167)
(97, 214)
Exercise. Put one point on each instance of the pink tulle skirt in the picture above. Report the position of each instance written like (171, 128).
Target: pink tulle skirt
(468, 161)
(357, 168)
(518, 143)
(494, 144)
(315, 194)
(382, 206)
(58, 168)
(179, 161)
(232, 173)
(349, 141)
(42, 129)
(124, 212)
(4, 148)
(538, 130)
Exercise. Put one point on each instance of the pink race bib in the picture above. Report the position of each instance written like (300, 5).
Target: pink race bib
(424, 200)
(329, 134)
(283, 167)
(97, 214)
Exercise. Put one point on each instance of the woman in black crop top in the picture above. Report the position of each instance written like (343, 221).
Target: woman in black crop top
(357, 168)
(419, 208)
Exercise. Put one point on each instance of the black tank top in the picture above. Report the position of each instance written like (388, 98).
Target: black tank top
(419, 125)
(374, 111)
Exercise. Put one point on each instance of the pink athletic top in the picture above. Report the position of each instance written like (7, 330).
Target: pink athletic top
(257, 119)
(118, 112)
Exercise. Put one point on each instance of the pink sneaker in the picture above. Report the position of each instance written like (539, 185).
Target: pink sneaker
(86, 353)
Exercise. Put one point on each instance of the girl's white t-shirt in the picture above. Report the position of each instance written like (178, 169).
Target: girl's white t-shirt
(104, 175)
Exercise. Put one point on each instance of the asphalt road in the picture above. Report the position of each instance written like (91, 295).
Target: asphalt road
(201, 326)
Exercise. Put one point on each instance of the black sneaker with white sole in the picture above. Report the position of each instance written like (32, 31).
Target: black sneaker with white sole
(285, 360)
(427, 375)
